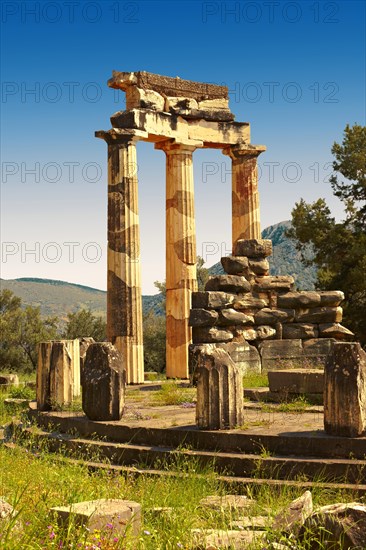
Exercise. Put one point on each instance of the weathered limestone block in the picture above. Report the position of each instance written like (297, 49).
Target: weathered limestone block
(232, 317)
(214, 104)
(235, 265)
(299, 299)
(207, 335)
(215, 539)
(299, 330)
(331, 297)
(84, 344)
(275, 282)
(345, 390)
(145, 122)
(137, 98)
(335, 330)
(265, 332)
(211, 300)
(246, 333)
(253, 248)
(180, 105)
(203, 317)
(279, 354)
(215, 115)
(245, 356)
(6, 510)
(320, 315)
(104, 382)
(55, 372)
(293, 517)
(249, 302)
(267, 316)
(187, 107)
(227, 502)
(195, 352)
(114, 515)
(73, 347)
(296, 381)
(219, 391)
(259, 267)
(341, 526)
(318, 346)
(9, 380)
(316, 350)
(228, 283)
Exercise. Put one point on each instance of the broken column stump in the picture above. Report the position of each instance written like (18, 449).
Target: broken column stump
(58, 373)
(219, 390)
(103, 382)
(345, 390)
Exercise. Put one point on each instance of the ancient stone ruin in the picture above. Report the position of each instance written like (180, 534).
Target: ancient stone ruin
(245, 320)
(259, 319)
(58, 373)
(178, 116)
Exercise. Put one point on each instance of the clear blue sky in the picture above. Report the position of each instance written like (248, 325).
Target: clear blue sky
(295, 71)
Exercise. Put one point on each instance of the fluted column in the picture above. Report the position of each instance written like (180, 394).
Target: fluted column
(245, 196)
(180, 255)
(124, 301)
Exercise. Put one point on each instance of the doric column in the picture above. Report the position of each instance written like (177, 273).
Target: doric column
(245, 196)
(124, 303)
(180, 255)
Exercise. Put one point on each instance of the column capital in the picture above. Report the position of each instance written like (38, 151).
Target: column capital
(116, 136)
(171, 146)
(244, 151)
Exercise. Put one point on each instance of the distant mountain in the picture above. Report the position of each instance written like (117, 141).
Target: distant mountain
(285, 259)
(58, 298)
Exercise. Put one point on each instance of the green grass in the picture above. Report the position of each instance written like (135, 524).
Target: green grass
(173, 393)
(7, 413)
(296, 405)
(255, 380)
(37, 480)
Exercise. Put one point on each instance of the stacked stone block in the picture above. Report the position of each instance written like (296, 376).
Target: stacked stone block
(249, 305)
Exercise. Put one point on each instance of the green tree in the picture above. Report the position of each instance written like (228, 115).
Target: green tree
(154, 342)
(85, 323)
(339, 248)
(21, 330)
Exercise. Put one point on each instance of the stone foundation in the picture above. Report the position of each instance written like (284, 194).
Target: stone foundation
(260, 319)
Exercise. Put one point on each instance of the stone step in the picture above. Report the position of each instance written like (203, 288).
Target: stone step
(306, 442)
(236, 463)
(298, 381)
(234, 484)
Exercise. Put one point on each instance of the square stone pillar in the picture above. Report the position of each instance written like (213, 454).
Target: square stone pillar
(180, 255)
(124, 300)
(245, 196)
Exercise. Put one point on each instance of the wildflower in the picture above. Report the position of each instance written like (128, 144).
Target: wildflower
(115, 539)
(109, 525)
(52, 535)
(147, 533)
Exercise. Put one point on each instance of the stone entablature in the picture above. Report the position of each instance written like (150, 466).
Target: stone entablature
(178, 116)
(251, 310)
